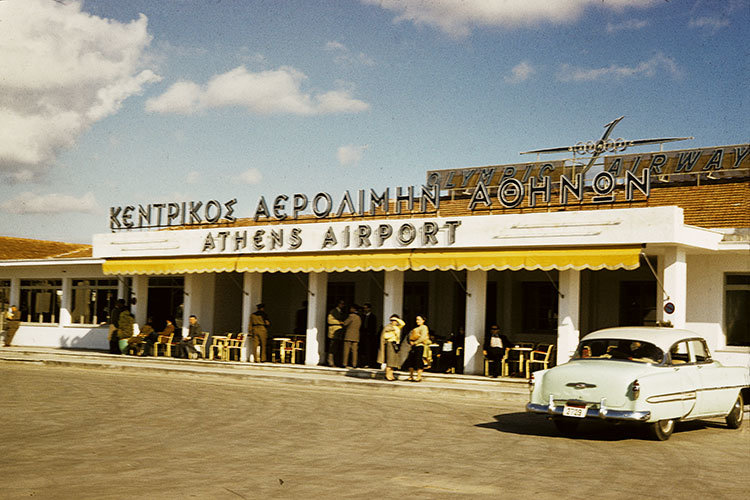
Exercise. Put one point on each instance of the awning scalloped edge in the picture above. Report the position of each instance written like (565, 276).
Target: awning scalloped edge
(531, 259)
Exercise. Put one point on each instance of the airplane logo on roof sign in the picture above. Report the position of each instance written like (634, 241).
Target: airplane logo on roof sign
(605, 144)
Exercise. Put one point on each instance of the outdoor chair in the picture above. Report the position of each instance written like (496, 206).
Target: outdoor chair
(541, 357)
(233, 345)
(163, 344)
(218, 346)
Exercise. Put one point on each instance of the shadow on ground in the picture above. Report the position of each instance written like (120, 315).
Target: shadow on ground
(529, 424)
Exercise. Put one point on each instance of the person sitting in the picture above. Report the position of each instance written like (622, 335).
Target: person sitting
(495, 345)
(187, 346)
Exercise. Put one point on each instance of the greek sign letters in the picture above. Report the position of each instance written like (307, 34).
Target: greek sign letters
(566, 182)
(560, 181)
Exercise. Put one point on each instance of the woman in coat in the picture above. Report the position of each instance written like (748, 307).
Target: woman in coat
(420, 355)
(390, 339)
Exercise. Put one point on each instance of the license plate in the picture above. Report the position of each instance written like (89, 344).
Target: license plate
(574, 411)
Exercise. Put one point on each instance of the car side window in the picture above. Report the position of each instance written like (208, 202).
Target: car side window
(700, 351)
(679, 353)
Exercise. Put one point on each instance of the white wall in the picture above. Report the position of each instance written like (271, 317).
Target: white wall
(705, 302)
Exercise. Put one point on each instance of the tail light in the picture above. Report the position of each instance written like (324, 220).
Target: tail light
(636, 389)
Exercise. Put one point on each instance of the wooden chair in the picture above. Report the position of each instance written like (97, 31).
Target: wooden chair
(200, 344)
(299, 351)
(541, 356)
(286, 347)
(234, 344)
(219, 344)
(164, 341)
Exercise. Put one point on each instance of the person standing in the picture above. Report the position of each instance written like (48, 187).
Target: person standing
(14, 321)
(259, 324)
(369, 342)
(352, 325)
(335, 320)
(495, 345)
(390, 340)
(420, 355)
(114, 326)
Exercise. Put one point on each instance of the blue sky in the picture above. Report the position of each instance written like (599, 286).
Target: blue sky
(107, 102)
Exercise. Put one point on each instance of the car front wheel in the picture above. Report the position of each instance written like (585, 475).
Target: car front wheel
(662, 429)
(734, 419)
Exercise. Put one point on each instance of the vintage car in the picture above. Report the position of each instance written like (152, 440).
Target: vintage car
(641, 374)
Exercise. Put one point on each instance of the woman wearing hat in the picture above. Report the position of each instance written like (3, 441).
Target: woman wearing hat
(420, 355)
(390, 339)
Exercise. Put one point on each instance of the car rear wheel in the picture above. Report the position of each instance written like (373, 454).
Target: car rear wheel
(566, 426)
(662, 429)
(734, 419)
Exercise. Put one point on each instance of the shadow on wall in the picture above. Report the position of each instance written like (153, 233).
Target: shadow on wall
(92, 338)
(64, 338)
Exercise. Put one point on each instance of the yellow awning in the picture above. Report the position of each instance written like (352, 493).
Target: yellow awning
(546, 259)
(170, 265)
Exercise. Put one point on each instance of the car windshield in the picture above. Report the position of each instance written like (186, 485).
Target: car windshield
(625, 349)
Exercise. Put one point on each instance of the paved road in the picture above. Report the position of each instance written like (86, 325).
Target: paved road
(74, 433)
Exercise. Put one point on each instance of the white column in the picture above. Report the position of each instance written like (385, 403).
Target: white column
(568, 317)
(15, 293)
(476, 304)
(673, 274)
(393, 294)
(121, 288)
(315, 340)
(140, 292)
(252, 291)
(66, 304)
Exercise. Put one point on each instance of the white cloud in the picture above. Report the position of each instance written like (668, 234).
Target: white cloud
(457, 19)
(54, 203)
(351, 154)
(520, 72)
(63, 70)
(630, 24)
(266, 92)
(342, 55)
(251, 176)
(712, 24)
(647, 69)
(193, 177)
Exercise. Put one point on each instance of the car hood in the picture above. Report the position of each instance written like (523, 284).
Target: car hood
(591, 380)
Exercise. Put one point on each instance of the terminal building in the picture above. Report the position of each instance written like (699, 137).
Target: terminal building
(547, 250)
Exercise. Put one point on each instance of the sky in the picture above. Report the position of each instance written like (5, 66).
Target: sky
(107, 103)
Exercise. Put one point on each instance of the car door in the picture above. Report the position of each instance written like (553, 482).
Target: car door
(687, 374)
(712, 397)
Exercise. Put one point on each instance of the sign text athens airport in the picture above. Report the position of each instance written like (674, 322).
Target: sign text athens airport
(555, 181)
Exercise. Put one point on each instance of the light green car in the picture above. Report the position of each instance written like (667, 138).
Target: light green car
(652, 375)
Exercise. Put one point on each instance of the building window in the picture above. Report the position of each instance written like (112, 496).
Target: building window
(539, 307)
(737, 309)
(92, 300)
(40, 301)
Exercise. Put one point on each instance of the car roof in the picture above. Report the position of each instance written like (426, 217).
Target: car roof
(663, 338)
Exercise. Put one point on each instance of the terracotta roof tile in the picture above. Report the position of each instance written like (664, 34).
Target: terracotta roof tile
(25, 248)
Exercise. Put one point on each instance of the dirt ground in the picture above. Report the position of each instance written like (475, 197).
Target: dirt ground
(77, 433)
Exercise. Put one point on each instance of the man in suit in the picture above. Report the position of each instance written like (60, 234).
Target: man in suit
(352, 325)
(495, 344)
(187, 343)
(369, 342)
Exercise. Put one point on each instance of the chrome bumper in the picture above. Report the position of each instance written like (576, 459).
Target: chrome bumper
(602, 412)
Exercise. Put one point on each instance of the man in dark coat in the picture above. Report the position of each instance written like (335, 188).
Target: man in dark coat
(370, 338)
